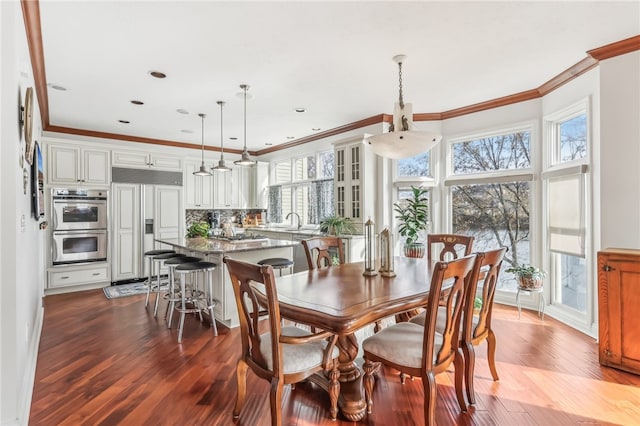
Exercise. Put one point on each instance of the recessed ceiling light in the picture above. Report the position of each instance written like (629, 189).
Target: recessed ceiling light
(124, 121)
(291, 137)
(157, 74)
(268, 143)
(182, 111)
(57, 87)
(137, 102)
(233, 138)
(186, 131)
(315, 129)
(300, 110)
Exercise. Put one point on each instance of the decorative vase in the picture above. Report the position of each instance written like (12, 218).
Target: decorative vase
(530, 283)
(414, 250)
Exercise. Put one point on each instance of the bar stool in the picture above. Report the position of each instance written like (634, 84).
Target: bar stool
(278, 263)
(157, 260)
(198, 300)
(173, 295)
(149, 255)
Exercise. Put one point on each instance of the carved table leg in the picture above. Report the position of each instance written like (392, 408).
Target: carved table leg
(352, 403)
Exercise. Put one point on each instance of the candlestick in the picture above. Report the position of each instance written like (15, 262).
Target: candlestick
(369, 250)
(386, 253)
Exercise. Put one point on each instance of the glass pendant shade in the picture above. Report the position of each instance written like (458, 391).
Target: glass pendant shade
(203, 169)
(221, 167)
(402, 141)
(245, 160)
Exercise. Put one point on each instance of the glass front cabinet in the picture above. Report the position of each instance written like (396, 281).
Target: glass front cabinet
(354, 181)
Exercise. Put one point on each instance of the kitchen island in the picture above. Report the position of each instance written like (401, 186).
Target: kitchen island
(213, 250)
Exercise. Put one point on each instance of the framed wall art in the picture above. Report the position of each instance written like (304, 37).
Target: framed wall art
(37, 183)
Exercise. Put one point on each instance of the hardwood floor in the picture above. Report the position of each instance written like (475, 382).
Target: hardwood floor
(110, 362)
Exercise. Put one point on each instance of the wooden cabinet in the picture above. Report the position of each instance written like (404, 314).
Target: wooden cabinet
(354, 181)
(198, 191)
(618, 302)
(73, 165)
(145, 160)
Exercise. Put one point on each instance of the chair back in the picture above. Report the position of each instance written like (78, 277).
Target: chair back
(243, 274)
(449, 284)
(453, 244)
(319, 251)
(488, 264)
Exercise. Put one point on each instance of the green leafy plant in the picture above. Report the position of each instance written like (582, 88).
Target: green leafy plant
(198, 229)
(413, 214)
(526, 271)
(477, 303)
(337, 225)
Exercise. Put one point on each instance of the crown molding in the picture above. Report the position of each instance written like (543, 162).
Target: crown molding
(618, 48)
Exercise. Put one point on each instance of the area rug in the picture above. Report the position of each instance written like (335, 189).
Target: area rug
(124, 290)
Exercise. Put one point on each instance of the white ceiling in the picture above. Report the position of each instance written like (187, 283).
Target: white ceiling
(332, 58)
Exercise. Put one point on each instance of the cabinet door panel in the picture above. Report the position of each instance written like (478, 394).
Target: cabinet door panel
(64, 165)
(96, 168)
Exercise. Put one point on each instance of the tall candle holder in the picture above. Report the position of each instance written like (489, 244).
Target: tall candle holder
(386, 253)
(369, 250)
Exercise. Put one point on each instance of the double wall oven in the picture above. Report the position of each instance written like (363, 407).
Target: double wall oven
(79, 226)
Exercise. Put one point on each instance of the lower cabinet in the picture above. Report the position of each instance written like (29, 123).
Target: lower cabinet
(618, 301)
(79, 275)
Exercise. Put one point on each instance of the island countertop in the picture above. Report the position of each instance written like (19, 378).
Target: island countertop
(216, 246)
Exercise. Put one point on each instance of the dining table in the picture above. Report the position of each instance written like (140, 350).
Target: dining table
(341, 300)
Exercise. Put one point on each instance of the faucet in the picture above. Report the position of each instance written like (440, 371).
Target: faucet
(298, 216)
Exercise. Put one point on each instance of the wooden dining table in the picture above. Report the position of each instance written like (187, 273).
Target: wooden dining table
(341, 300)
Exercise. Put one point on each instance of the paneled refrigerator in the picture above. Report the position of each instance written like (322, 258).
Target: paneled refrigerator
(145, 205)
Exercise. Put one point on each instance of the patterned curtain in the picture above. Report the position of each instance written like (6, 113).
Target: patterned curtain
(275, 204)
(320, 200)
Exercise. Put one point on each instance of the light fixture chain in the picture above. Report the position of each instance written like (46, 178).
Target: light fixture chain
(245, 118)
(400, 99)
(202, 132)
(221, 134)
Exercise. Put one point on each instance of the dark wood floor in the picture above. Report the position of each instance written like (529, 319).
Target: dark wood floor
(109, 362)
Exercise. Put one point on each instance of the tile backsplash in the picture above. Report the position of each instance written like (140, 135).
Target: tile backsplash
(235, 216)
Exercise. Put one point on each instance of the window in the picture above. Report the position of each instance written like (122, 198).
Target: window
(414, 167)
(490, 187)
(303, 185)
(566, 192)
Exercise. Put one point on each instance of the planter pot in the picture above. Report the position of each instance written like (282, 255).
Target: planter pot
(414, 250)
(530, 283)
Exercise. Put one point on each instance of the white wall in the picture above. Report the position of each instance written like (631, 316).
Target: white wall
(620, 151)
(21, 250)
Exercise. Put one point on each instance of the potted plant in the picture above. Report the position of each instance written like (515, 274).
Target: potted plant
(413, 214)
(198, 230)
(529, 277)
(336, 225)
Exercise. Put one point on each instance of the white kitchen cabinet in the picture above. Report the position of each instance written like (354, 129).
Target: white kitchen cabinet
(198, 192)
(258, 186)
(227, 189)
(145, 160)
(354, 181)
(68, 276)
(72, 165)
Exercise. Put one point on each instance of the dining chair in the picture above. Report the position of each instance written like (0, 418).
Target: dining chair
(452, 245)
(476, 326)
(320, 251)
(281, 355)
(421, 351)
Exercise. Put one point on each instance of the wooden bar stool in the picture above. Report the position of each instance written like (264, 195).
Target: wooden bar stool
(278, 263)
(196, 300)
(173, 295)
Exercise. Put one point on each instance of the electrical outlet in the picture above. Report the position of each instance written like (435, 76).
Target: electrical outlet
(23, 223)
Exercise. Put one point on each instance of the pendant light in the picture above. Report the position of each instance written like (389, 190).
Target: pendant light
(221, 167)
(402, 141)
(245, 160)
(203, 169)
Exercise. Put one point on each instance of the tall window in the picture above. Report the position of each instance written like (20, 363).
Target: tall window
(490, 188)
(303, 185)
(567, 192)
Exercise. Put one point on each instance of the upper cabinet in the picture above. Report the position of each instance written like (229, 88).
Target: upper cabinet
(228, 189)
(145, 160)
(354, 181)
(72, 165)
(198, 192)
(258, 186)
